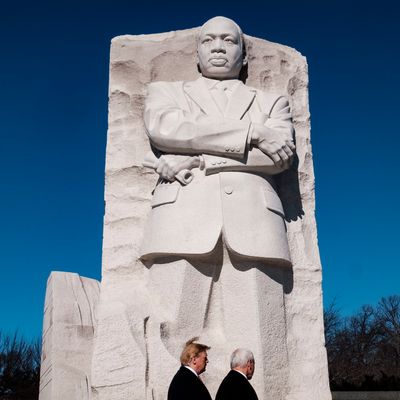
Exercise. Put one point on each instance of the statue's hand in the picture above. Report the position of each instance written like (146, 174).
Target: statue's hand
(271, 142)
(169, 165)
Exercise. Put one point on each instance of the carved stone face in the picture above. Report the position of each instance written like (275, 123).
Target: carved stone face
(219, 51)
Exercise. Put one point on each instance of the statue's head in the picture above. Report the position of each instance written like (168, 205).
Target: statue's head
(220, 49)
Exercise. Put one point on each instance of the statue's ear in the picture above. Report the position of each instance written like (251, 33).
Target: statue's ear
(198, 62)
(245, 60)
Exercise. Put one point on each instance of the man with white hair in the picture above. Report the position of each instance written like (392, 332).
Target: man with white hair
(235, 385)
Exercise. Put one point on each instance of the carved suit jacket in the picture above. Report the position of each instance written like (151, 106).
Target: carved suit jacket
(234, 194)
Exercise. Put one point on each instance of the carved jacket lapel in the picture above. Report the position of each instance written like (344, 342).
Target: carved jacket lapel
(240, 101)
(199, 93)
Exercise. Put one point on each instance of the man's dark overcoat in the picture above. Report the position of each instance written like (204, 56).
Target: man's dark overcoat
(236, 387)
(186, 385)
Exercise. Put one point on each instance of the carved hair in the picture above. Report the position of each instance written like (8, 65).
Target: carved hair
(240, 357)
(191, 350)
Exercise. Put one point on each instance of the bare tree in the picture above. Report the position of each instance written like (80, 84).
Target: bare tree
(19, 368)
(388, 317)
(364, 349)
(332, 322)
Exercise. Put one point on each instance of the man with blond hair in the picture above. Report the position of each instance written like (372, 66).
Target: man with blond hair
(235, 385)
(186, 383)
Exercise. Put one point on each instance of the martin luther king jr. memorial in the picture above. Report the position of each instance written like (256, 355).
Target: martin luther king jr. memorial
(209, 226)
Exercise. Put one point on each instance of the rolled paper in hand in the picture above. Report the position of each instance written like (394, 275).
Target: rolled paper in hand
(151, 161)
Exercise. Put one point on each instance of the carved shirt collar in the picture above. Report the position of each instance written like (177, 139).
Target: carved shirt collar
(230, 84)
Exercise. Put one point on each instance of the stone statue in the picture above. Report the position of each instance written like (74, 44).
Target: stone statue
(225, 227)
(214, 252)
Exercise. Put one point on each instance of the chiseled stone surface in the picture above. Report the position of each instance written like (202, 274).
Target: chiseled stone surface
(366, 395)
(130, 359)
(68, 327)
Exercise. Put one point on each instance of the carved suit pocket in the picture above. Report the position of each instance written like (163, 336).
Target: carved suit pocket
(274, 202)
(165, 193)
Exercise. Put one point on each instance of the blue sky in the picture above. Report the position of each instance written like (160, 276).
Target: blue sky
(53, 116)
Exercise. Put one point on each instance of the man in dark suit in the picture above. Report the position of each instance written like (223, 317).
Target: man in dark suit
(186, 383)
(235, 385)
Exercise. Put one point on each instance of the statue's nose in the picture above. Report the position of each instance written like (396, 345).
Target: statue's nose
(218, 45)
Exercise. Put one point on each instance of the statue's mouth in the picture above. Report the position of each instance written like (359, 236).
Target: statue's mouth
(218, 61)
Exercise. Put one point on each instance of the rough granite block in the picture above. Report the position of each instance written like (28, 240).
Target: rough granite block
(68, 328)
(129, 356)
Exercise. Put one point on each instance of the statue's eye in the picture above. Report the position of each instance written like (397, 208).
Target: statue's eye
(229, 40)
(206, 40)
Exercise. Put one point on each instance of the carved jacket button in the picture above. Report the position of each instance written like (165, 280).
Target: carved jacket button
(228, 189)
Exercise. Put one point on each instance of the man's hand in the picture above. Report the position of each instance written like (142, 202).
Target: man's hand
(169, 165)
(271, 142)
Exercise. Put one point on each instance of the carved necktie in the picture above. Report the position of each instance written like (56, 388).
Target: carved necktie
(220, 95)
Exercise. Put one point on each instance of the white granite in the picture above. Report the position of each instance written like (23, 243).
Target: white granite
(137, 346)
(68, 328)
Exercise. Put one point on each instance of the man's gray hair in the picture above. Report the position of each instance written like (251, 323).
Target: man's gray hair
(240, 357)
